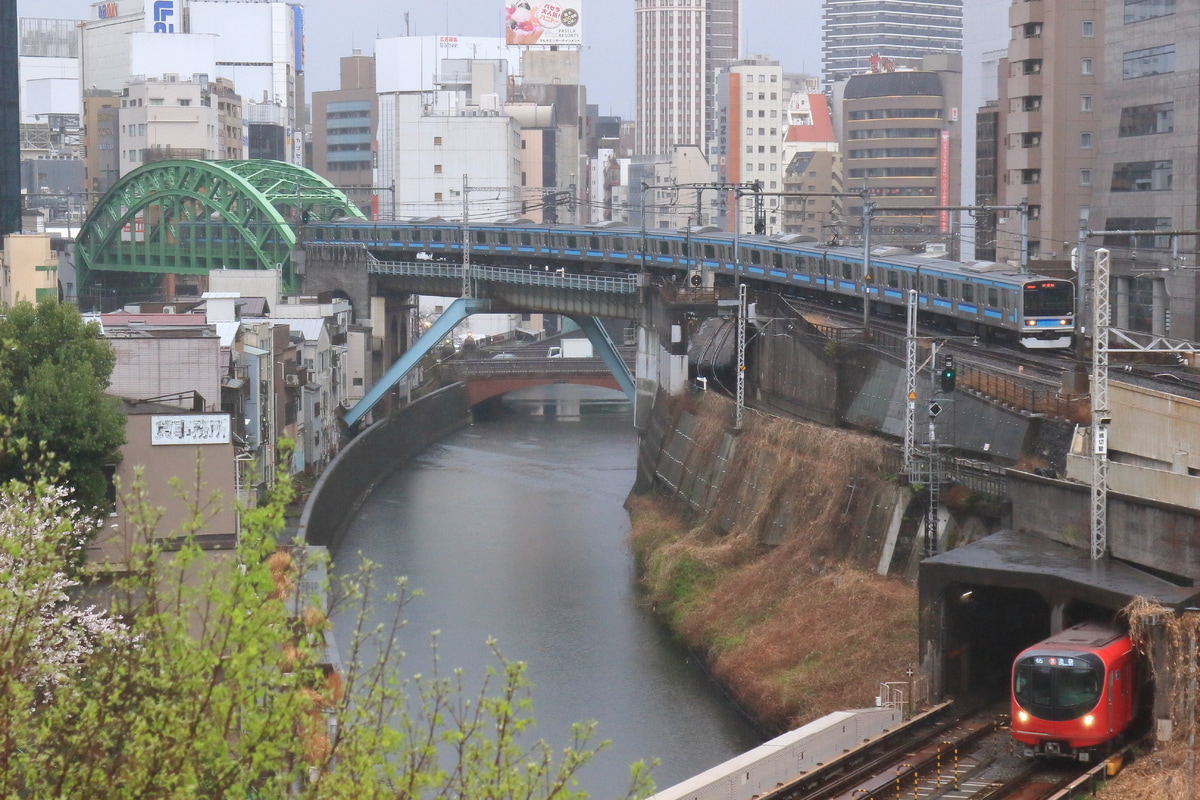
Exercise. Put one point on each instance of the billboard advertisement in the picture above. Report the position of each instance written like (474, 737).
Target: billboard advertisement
(542, 22)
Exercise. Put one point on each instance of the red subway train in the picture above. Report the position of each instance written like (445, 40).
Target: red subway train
(1075, 693)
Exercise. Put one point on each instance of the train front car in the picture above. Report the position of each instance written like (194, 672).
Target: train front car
(1047, 317)
(1073, 694)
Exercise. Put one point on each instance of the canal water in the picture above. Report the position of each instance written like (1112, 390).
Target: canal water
(514, 529)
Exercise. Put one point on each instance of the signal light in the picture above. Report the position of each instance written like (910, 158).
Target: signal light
(948, 375)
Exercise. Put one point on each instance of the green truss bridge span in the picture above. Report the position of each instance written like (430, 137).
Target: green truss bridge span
(188, 217)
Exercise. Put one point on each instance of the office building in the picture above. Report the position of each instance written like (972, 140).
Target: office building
(901, 142)
(860, 33)
(1050, 94)
(750, 131)
(1143, 142)
(344, 122)
(258, 46)
(682, 45)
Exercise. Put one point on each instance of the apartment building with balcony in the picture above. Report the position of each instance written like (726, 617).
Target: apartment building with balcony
(1048, 137)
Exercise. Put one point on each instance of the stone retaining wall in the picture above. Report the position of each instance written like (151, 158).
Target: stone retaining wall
(373, 455)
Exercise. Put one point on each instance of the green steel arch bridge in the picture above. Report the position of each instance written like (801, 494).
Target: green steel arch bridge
(188, 217)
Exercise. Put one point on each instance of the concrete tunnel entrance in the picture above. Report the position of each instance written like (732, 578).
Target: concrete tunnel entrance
(981, 604)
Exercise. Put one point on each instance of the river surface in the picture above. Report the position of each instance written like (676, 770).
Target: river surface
(514, 529)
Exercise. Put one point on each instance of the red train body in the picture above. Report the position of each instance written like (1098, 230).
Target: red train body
(1074, 694)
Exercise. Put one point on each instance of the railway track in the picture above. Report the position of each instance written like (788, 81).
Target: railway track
(945, 755)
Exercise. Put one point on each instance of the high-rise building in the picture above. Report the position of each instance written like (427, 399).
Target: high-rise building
(750, 134)
(343, 136)
(1144, 178)
(902, 144)
(898, 32)
(682, 45)
(1050, 88)
(258, 45)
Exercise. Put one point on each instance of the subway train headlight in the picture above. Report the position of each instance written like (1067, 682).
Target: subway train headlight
(1022, 717)
(1088, 721)
(1030, 323)
(1064, 322)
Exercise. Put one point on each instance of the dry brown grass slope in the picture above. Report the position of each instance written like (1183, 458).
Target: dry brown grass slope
(794, 630)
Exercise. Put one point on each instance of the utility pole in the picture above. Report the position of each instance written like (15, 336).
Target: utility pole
(910, 383)
(741, 357)
(868, 209)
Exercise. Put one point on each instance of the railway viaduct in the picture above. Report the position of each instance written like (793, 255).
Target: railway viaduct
(977, 601)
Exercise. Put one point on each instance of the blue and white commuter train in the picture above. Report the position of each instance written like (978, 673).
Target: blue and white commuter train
(983, 298)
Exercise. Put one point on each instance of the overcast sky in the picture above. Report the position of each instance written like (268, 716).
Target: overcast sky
(787, 30)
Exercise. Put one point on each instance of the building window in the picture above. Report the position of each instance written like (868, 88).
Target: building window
(1085, 177)
(1151, 61)
(1031, 176)
(1142, 176)
(749, 148)
(1147, 120)
(1085, 66)
(437, 142)
(1089, 29)
(1085, 102)
(154, 101)
(183, 101)
(437, 197)
(749, 114)
(1085, 140)
(1138, 10)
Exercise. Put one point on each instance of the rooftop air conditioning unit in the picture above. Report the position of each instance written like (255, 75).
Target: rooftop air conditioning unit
(168, 309)
(291, 380)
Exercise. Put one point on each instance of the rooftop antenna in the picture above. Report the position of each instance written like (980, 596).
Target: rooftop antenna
(407, 30)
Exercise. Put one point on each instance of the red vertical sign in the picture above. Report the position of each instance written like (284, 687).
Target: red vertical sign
(944, 183)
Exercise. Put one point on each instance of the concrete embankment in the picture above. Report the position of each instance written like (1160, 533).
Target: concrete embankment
(372, 456)
(774, 550)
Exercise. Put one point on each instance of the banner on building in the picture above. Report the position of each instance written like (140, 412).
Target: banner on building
(552, 22)
(189, 429)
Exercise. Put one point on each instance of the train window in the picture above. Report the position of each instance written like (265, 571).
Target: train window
(526, 239)
(664, 248)
(893, 279)
(618, 244)
(396, 235)
(435, 236)
(709, 251)
(417, 235)
(847, 270)
(354, 234)
(968, 293)
(572, 242)
(755, 257)
(502, 238)
(594, 242)
(777, 259)
(943, 287)
(480, 237)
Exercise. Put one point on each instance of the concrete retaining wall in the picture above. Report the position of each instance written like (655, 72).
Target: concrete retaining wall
(1154, 535)
(372, 456)
(786, 757)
